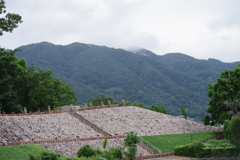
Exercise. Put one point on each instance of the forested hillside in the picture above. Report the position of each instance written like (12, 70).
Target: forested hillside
(168, 80)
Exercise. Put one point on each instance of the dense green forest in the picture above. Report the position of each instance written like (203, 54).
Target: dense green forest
(23, 86)
(170, 80)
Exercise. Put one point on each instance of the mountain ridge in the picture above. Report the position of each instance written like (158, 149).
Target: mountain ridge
(168, 80)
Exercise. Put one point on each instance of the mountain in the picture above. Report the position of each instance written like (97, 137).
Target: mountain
(207, 70)
(170, 80)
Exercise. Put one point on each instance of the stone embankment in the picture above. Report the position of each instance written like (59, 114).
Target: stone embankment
(64, 132)
(119, 120)
(44, 127)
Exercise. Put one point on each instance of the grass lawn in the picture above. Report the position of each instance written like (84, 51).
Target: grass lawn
(166, 143)
(21, 152)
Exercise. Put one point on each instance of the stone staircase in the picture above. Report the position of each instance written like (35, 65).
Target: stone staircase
(90, 124)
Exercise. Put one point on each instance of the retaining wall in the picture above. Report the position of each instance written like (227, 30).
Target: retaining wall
(60, 141)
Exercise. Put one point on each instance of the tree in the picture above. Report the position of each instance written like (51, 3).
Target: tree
(157, 108)
(11, 69)
(225, 91)
(136, 103)
(130, 142)
(10, 21)
(10, 66)
(22, 86)
(234, 107)
(101, 98)
(39, 90)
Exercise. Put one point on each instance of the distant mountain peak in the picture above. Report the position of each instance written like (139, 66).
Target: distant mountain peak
(133, 49)
(140, 51)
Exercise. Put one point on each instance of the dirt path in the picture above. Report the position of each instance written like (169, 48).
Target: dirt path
(170, 157)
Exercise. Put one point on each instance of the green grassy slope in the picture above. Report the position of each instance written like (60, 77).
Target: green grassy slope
(166, 143)
(21, 152)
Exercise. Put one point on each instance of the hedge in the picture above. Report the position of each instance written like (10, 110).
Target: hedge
(198, 150)
(191, 150)
(219, 152)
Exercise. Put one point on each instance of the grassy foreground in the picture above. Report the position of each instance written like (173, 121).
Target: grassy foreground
(21, 152)
(166, 143)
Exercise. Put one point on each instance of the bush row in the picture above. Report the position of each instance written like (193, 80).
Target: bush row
(198, 150)
(89, 152)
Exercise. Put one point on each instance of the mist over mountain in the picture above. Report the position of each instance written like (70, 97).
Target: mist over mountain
(135, 75)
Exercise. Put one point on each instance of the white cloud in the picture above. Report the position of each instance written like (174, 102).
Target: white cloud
(201, 28)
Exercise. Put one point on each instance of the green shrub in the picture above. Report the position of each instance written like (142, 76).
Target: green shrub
(111, 154)
(45, 156)
(218, 143)
(227, 129)
(49, 156)
(235, 130)
(34, 157)
(157, 108)
(136, 103)
(189, 149)
(116, 152)
(219, 152)
(214, 142)
(131, 139)
(131, 152)
(87, 151)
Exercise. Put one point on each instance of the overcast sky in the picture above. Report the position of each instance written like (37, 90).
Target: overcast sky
(200, 28)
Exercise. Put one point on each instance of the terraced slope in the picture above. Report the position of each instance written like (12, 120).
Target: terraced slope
(119, 120)
(44, 127)
(114, 121)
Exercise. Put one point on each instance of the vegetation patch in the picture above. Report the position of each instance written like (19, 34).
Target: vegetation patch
(58, 108)
(167, 142)
(218, 143)
(22, 152)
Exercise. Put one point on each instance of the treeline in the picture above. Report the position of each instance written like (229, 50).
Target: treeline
(23, 86)
(99, 99)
